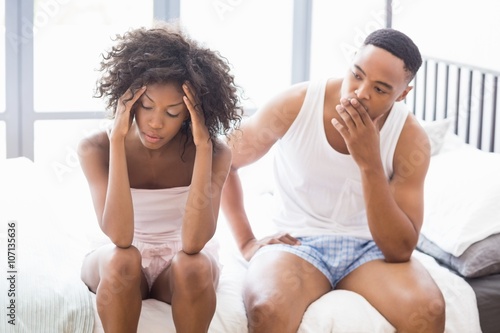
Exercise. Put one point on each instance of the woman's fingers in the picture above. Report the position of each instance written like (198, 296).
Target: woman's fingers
(198, 127)
(123, 114)
(128, 99)
(191, 100)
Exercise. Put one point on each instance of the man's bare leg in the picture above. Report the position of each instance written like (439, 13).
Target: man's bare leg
(404, 293)
(279, 287)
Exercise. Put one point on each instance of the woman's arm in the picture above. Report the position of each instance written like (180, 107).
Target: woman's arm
(105, 167)
(202, 207)
(209, 174)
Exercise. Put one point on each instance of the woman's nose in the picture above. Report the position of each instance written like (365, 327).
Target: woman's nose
(156, 121)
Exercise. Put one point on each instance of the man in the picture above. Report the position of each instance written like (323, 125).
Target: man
(350, 164)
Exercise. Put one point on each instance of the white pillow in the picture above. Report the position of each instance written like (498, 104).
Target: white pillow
(436, 131)
(462, 199)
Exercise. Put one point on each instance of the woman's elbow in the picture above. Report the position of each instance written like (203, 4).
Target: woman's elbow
(193, 246)
(121, 241)
(122, 244)
(192, 249)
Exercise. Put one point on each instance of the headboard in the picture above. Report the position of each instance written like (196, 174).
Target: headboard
(469, 94)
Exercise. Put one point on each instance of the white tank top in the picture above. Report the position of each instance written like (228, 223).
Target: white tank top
(318, 190)
(158, 214)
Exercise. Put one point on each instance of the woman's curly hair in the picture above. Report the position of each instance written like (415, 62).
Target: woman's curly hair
(165, 54)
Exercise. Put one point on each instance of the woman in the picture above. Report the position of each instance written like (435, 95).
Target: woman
(156, 177)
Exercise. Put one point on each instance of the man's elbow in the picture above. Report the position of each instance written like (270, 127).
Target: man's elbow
(398, 256)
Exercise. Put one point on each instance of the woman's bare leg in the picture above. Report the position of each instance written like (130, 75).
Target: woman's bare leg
(189, 285)
(115, 275)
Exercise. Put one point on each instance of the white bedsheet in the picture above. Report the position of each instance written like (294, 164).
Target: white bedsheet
(49, 296)
(338, 311)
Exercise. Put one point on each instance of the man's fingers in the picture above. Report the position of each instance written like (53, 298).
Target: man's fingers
(288, 239)
(361, 111)
(346, 117)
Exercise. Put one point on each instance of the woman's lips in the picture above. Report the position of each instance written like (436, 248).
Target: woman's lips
(152, 138)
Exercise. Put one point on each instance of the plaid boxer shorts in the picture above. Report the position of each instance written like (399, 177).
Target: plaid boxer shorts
(335, 256)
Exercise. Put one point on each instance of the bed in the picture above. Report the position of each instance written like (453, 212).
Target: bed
(462, 226)
(51, 233)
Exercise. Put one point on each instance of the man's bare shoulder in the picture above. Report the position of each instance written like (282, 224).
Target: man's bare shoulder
(413, 134)
(280, 111)
(413, 149)
(288, 102)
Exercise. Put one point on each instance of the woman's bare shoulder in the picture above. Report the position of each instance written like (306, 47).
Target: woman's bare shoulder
(95, 143)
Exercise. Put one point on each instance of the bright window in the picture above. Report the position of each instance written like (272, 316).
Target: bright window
(69, 37)
(338, 29)
(255, 36)
(3, 148)
(2, 60)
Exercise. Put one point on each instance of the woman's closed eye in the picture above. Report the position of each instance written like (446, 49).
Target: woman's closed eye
(146, 107)
(175, 110)
(172, 115)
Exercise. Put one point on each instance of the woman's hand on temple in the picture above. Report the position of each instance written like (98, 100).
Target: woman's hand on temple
(195, 108)
(124, 115)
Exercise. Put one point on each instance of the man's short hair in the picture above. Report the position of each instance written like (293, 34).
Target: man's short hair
(400, 45)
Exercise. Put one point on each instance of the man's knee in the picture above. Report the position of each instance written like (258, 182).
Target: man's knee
(427, 312)
(270, 310)
(262, 313)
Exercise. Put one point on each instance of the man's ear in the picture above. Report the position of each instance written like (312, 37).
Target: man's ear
(404, 93)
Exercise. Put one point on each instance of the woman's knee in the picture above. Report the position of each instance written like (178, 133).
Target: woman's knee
(123, 261)
(120, 267)
(194, 271)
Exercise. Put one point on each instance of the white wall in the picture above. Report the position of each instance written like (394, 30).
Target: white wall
(462, 31)
(459, 30)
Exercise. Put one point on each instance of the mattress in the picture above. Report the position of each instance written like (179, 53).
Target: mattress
(487, 290)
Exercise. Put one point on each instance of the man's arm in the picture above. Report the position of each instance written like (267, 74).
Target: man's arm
(394, 209)
(255, 137)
